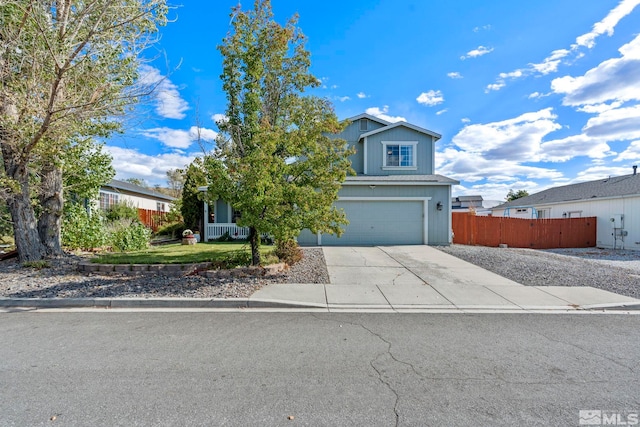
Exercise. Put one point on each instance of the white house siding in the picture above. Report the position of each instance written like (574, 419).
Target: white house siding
(139, 202)
(603, 209)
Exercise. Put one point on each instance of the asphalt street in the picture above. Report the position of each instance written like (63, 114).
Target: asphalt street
(314, 369)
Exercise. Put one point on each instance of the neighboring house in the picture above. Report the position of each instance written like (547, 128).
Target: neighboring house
(476, 204)
(615, 201)
(143, 198)
(394, 198)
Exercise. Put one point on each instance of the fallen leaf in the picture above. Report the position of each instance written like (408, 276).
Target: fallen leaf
(290, 417)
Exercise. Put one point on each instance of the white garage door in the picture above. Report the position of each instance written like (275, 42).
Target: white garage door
(375, 222)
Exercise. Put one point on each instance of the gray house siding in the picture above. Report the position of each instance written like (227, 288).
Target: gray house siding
(222, 211)
(424, 152)
(352, 135)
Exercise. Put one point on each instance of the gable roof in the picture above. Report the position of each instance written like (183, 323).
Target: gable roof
(370, 117)
(626, 185)
(132, 188)
(437, 136)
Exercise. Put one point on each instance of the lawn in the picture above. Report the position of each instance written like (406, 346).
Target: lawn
(225, 255)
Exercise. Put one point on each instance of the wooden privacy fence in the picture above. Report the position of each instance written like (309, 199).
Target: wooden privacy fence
(524, 233)
(152, 219)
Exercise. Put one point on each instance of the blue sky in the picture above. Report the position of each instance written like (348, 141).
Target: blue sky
(526, 95)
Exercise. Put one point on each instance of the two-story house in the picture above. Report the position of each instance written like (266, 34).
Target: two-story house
(395, 198)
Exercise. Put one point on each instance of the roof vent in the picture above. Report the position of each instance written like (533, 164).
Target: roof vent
(635, 169)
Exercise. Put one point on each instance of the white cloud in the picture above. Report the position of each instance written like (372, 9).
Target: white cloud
(430, 98)
(565, 149)
(480, 51)
(382, 114)
(516, 139)
(343, 98)
(600, 172)
(483, 27)
(178, 138)
(219, 118)
(615, 125)
(454, 75)
(494, 86)
(615, 79)
(465, 120)
(551, 63)
(632, 153)
(130, 163)
(441, 112)
(169, 103)
(607, 25)
(471, 167)
(362, 95)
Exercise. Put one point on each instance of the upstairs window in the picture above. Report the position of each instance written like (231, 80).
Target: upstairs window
(160, 206)
(364, 124)
(399, 155)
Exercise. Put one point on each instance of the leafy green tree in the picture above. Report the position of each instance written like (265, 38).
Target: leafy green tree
(275, 162)
(513, 195)
(191, 205)
(67, 67)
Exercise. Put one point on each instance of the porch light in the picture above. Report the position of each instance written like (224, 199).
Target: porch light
(439, 206)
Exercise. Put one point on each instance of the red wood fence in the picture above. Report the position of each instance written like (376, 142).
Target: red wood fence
(152, 219)
(524, 233)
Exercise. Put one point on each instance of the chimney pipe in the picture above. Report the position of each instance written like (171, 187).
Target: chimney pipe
(635, 169)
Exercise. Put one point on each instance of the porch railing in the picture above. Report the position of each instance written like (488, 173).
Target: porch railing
(215, 230)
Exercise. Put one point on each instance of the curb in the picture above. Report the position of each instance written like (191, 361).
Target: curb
(148, 303)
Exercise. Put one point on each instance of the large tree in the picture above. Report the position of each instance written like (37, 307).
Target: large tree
(191, 206)
(275, 162)
(67, 68)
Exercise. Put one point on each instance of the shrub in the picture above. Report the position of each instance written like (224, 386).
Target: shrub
(127, 235)
(122, 210)
(174, 229)
(81, 230)
(233, 259)
(288, 251)
(226, 237)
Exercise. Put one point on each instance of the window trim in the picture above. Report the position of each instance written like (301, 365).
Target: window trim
(414, 148)
(112, 199)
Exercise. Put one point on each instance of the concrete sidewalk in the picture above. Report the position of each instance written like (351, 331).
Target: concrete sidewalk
(406, 278)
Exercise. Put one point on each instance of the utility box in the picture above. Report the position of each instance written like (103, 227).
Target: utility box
(616, 220)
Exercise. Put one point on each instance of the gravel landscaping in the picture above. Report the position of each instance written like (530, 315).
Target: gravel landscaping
(62, 280)
(616, 271)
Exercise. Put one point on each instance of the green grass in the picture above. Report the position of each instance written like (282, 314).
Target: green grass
(223, 255)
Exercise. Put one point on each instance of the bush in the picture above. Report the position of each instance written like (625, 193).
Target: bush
(233, 259)
(173, 230)
(288, 251)
(81, 230)
(127, 235)
(122, 210)
(226, 237)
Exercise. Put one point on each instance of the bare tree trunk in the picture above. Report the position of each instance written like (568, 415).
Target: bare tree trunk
(254, 240)
(25, 229)
(51, 201)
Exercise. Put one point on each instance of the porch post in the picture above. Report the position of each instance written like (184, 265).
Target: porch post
(206, 221)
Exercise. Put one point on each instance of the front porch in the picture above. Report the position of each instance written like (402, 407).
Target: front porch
(216, 230)
(220, 218)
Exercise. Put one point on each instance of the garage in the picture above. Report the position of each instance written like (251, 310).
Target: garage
(382, 221)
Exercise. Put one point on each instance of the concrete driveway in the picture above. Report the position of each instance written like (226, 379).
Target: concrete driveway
(422, 277)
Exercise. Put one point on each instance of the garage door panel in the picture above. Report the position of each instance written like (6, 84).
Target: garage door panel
(380, 223)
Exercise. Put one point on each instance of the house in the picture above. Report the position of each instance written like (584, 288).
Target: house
(615, 201)
(143, 198)
(394, 198)
(475, 203)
